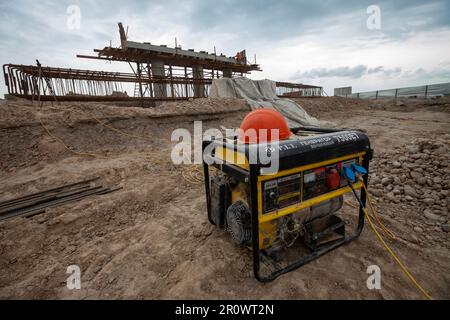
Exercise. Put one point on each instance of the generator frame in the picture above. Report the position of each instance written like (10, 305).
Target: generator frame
(250, 178)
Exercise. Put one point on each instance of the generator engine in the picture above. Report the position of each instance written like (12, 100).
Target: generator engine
(298, 205)
(230, 210)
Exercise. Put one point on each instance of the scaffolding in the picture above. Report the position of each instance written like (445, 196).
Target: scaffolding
(62, 84)
(298, 90)
(50, 84)
(158, 73)
(159, 70)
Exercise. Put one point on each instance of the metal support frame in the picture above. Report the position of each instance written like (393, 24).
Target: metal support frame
(62, 84)
(298, 90)
(50, 84)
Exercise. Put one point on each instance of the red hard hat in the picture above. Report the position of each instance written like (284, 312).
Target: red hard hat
(264, 119)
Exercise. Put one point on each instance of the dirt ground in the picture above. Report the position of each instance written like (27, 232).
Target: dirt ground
(152, 240)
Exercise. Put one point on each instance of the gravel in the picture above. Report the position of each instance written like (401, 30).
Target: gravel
(417, 175)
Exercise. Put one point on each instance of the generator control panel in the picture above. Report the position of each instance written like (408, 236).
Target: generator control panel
(282, 192)
(292, 189)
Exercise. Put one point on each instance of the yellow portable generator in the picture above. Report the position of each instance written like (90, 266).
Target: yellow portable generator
(295, 207)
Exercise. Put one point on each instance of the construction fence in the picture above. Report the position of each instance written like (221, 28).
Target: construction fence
(427, 91)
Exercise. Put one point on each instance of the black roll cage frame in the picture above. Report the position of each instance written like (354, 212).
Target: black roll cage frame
(250, 178)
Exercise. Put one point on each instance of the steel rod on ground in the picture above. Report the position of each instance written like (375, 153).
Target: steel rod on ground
(7, 202)
(37, 203)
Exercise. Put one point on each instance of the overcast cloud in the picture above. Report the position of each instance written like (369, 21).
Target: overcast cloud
(318, 42)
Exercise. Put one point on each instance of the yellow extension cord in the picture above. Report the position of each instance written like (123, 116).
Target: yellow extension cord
(65, 145)
(192, 176)
(388, 249)
(388, 232)
(120, 132)
(374, 215)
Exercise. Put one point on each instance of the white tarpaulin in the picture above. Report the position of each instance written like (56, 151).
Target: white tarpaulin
(262, 94)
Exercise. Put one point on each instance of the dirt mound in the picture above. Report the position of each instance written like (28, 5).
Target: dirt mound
(25, 113)
(32, 133)
(320, 106)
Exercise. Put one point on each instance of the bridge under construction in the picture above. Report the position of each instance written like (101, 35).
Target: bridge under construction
(157, 73)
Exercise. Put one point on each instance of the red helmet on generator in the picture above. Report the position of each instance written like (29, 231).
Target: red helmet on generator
(259, 125)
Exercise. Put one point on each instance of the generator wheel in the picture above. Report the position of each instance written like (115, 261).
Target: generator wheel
(239, 223)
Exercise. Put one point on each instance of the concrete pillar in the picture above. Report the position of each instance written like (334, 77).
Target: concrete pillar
(227, 73)
(160, 89)
(199, 89)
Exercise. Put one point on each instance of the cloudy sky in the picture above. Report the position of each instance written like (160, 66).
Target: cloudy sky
(327, 43)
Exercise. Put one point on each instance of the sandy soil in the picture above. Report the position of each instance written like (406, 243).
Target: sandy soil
(152, 240)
